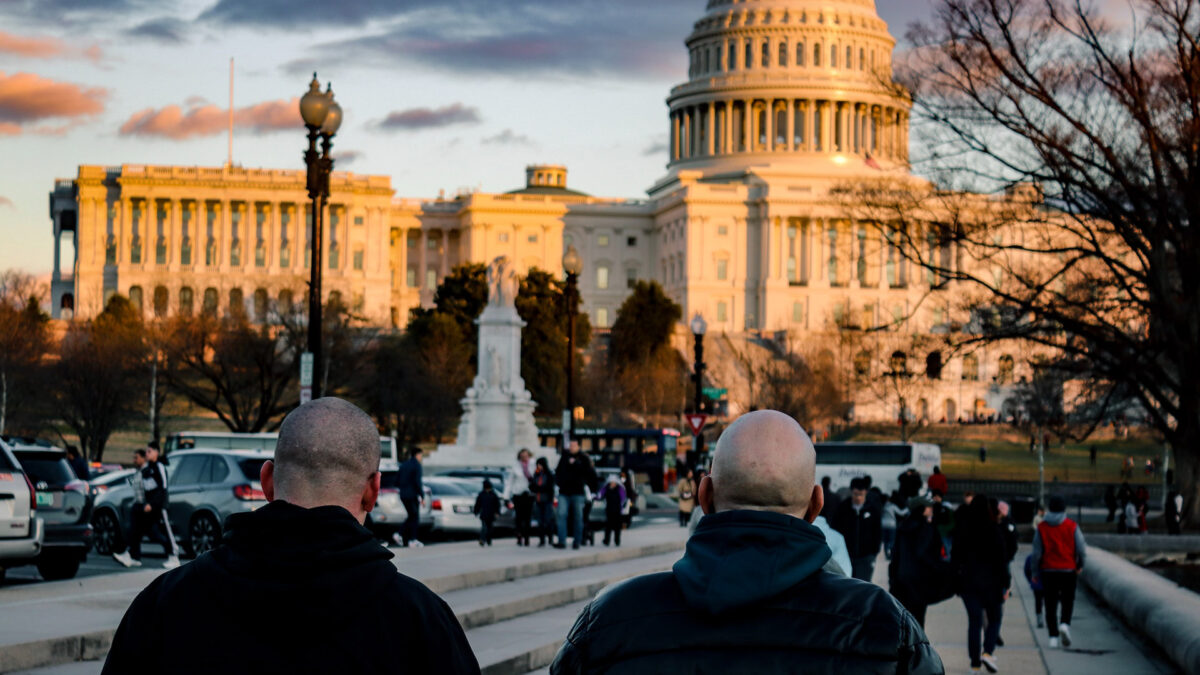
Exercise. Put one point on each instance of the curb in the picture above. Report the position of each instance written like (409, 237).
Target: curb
(521, 664)
(54, 651)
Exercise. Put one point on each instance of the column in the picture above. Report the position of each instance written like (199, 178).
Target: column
(444, 253)
(729, 146)
(710, 128)
(904, 136)
(674, 136)
(791, 125)
(769, 111)
(747, 112)
(423, 259)
(686, 141)
(827, 112)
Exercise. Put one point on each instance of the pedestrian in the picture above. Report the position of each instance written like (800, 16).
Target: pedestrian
(831, 499)
(910, 484)
(1008, 528)
(750, 594)
(1092, 455)
(522, 498)
(938, 481)
(894, 510)
(980, 557)
(412, 495)
(860, 523)
(1110, 503)
(78, 464)
(631, 495)
(616, 502)
(839, 563)
(983, 454)
(542, 487)
(1059, 553)
(487, 507)
(148, 512)
(1173, 511)
(918, 575)
(1039, 593)
(332, 598)
(685, 492)
(575, 476)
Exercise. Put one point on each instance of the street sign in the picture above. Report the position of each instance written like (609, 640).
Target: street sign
(714, 394)
(696, 422)
(305, 394)
(306, 368)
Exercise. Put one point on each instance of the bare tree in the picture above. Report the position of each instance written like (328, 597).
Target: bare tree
(1090, 129)
(24, 340)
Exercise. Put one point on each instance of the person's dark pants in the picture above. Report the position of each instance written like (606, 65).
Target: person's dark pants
(1039, 600)
(889, 540)
(977, 608)
(413, 524)
(1059, 588)
(589, 537)
(144, 523)
(546, 521)
(684, 517)
(1173, 526)
(612, 528)
(862, 567)
(915, 605)
(485, 532)
(1112, 514)
(523, 515)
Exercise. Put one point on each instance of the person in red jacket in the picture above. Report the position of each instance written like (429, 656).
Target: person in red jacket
(1058, 556)
(937, 481)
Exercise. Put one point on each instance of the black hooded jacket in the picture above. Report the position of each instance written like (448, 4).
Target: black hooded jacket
(748, 596)
(917, 569)
(292, 590)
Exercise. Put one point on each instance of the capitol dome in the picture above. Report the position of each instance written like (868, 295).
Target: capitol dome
(802, 83)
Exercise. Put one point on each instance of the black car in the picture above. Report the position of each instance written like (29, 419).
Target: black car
(64, 503)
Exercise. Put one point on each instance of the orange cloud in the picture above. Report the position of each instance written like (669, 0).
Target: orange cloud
(45, 48)
(5, 201)
(206, 119)
(26, 98)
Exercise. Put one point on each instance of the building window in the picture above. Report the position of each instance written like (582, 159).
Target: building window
(862, 364)
(849, 58)
(334, 254)
(358, 260)
(209, 308)
(862, 256)
(783, 53)
(185, 250)
(261, 305)
(817, 55)
(602, 317)
(237, 302)
(602, 240)
(833, 56)
(1004, 376)
(933, 366)
(285, 254)
(210, 240)
(431, 244)
(833, 256)
(722, 311)
(533, 238)
(358, 220)
(431, 279)
(797, 312)
(503, 237)
(410, 278)
(602, 277)
(235, 246)
(722, 270)
(766, 53)
(160, 243)
(630, 278)
(110, 244)
(284, 304)
(722, 230)
(732, 56)
(135, 298)
(800, 54)
(631, 241)
(970, 368)
(186, 301)
(749, 54)
(862, 63)
(161, 301)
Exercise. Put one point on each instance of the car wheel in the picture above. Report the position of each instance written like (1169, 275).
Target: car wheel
(57, 569)
(204, 534)
(107, 532)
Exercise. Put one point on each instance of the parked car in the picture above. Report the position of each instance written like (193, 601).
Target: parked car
(204, 487)
(389, 514)
(102, 483)
(453, 504)
(21, 530)
(64, 503)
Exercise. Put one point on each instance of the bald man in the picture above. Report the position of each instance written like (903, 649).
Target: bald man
(750, 594)
(298, 586)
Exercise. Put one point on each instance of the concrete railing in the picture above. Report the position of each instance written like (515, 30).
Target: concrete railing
(1161, 610)
(1144, 544)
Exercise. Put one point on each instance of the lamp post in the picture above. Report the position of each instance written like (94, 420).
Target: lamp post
(572, 265)
(322, 116)
(699, 327)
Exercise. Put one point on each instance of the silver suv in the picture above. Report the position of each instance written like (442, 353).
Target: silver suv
(21, 531)
(204, 488)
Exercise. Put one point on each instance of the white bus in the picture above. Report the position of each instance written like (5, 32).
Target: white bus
(883, 462)
(228, 440)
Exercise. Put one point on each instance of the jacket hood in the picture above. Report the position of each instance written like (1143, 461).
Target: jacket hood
(913, 521)
(740, 558)
(285, 543)
(1055, 518)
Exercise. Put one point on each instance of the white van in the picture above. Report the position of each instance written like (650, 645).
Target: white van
(228, 440)
(21, 530)
(883, 462)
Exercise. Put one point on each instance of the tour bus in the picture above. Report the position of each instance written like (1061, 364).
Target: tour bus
(228, 440)
(883, 462)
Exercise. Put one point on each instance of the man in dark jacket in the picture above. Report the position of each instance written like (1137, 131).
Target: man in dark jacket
(298, 586)
(574, 476)
(487, 507)
(917, 568)
(408, 482)
(750, 594)
(860, 521)
(148, 515)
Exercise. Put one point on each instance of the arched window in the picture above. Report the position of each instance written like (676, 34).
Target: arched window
(335, 300)
(817, 55)
(284, 305)
(898, 362)
(161, 298)
(922, 410)
(67, 301)
(732, 51)
(186, 301)
(237, 302)
(211, 299)
(800, 54)
(933, 366)
(783, 53)
(862, 364)
(749, 60)
(1005, 375)
(970, 367)
(135, 298)
(833, 56)
(951, 411)
(261, 305)
(766, 53)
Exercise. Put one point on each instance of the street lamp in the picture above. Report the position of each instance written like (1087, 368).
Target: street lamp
(572, 265)
(699, 327)
(322, 117)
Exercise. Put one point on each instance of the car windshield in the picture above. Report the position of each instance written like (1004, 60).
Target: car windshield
(446, 489)
(46, 467)
(252, 468)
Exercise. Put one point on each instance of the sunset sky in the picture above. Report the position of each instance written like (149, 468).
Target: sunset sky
(439, 94)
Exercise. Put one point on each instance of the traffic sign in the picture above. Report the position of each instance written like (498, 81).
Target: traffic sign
(696, 422)
(305, 394)
(306, 370)
(714, 394)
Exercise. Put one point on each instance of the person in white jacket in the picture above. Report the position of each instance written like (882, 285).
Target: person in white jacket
(522, 498)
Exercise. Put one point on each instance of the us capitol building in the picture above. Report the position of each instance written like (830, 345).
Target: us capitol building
(783, 102)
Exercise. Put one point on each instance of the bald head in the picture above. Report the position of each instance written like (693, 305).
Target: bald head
(764, 462)
(328, 453)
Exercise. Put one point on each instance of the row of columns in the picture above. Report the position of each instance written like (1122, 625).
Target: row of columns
(422, 242)
(808, 125)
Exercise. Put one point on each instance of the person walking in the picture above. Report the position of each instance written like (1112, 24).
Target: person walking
(1110, 503)
(410, 485)
(630, 495)
(1039, 593)
(917, 573)
(1130, 520)
(148, 512)
(615, 501)
(894, 510)
(831, 499)
(751, 593)
(575, 476)
(981, 559)
(860, 523)
(336, 602)
(1059, 553)
(1173, 511)
(910, 484)
(542, 487)
(487, 508)
(938, 481)
(78, 464)
(685, 492)
(520, 476)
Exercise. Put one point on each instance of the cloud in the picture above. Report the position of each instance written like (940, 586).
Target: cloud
(284, 14)
(428, 118)
(347, 157)
(656, 147)
(45, 48)
(206, 119)
(5, 201)
(76, 13)
(507, 137)
(26, 98)
(165, 30)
